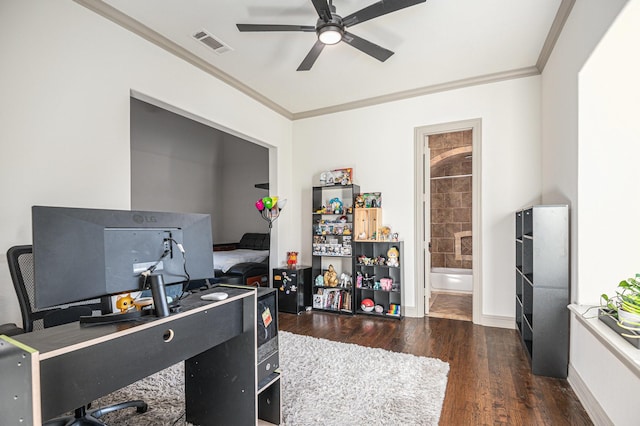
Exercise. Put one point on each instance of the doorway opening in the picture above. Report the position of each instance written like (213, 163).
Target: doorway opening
(447, 220)
(451, 243)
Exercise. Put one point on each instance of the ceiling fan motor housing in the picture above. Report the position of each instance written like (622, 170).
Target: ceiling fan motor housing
(334, 25)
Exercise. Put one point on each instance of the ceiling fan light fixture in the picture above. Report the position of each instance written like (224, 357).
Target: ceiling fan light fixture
(330, 34)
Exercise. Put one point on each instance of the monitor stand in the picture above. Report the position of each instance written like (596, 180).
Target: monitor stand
(161, 307)
(159, 295)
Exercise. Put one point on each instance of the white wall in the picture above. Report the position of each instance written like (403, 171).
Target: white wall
(378, 142)
(608, 188)
(609, 155)
(590, 127)
(66, 79)
(583, 30)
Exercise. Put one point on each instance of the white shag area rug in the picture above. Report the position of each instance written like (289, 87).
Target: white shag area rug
(323, 383)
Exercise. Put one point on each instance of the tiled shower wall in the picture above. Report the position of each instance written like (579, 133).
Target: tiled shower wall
(451, 238)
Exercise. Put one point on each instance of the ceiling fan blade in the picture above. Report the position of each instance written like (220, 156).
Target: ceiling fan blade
(380, 53)
(323, 9)
(268, 27)
(311, 57)
(378, 9)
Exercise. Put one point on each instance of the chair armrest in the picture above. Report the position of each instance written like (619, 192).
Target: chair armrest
(10, 329)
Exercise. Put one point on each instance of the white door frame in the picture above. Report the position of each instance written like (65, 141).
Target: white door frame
(422, 284)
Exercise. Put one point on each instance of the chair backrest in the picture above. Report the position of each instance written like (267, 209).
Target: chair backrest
(20, 259)
(254, 241)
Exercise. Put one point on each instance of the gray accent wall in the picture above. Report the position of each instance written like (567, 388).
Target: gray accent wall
(180, 165)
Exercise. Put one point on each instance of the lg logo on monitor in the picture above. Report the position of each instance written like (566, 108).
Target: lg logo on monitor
(138, 218)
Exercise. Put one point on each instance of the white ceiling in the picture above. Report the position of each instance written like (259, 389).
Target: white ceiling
(438, 44)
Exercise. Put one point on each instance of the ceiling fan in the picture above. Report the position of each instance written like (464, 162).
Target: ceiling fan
(331, 28)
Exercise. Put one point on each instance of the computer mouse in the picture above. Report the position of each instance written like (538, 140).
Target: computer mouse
(214, 296)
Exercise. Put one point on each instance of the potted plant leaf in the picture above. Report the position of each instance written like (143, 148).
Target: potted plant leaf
(624, 306)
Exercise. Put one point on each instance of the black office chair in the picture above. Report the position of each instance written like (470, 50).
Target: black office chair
(20, 260)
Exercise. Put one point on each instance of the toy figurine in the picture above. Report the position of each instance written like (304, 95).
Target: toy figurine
(385, 233)
(335, 205)
(345, 280)
(292, 259)
(124, 303)
(367, 281)
(331, 277)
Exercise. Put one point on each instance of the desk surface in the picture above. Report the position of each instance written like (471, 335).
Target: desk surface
(115, 355)
(53, 341)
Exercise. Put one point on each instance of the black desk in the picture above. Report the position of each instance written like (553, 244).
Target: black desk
(49, 372)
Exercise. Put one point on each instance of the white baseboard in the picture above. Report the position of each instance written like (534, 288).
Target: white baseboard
(485, 320)
(412, 312)
(589, 402)
(498, 321)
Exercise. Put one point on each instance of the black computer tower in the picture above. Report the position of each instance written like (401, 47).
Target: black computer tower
(267, 331)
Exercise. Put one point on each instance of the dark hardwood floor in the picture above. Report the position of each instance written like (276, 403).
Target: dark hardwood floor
(490, 381)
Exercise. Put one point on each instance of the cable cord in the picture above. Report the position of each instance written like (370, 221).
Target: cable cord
(178, 419)
(185, 284)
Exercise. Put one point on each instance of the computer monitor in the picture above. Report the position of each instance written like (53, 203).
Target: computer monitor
(82, 254)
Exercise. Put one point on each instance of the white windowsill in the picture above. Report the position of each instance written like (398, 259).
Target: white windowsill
(623, 350)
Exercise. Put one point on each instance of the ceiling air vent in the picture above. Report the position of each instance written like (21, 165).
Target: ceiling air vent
(212, 42)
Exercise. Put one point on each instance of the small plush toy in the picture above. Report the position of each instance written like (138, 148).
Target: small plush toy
(292, 259)
(392, 257)
(124, 303)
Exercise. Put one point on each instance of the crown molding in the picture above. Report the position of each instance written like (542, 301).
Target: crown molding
(554, 33)
(114, 15)
(427, 90)
(136, 27)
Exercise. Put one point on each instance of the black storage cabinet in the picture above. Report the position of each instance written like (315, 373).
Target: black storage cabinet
(294, 288)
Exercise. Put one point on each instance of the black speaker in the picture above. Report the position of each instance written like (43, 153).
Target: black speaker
(267, 331)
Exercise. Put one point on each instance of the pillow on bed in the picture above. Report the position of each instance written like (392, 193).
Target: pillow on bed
(224, 260)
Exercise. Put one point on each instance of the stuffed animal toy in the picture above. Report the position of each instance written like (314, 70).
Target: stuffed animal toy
(393, 257)
(292, 259)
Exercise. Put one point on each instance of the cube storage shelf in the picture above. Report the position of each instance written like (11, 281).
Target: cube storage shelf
(542, 287)
(370, 276)
(332, 245)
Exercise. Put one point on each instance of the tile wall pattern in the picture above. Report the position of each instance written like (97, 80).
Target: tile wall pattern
(451, 238)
